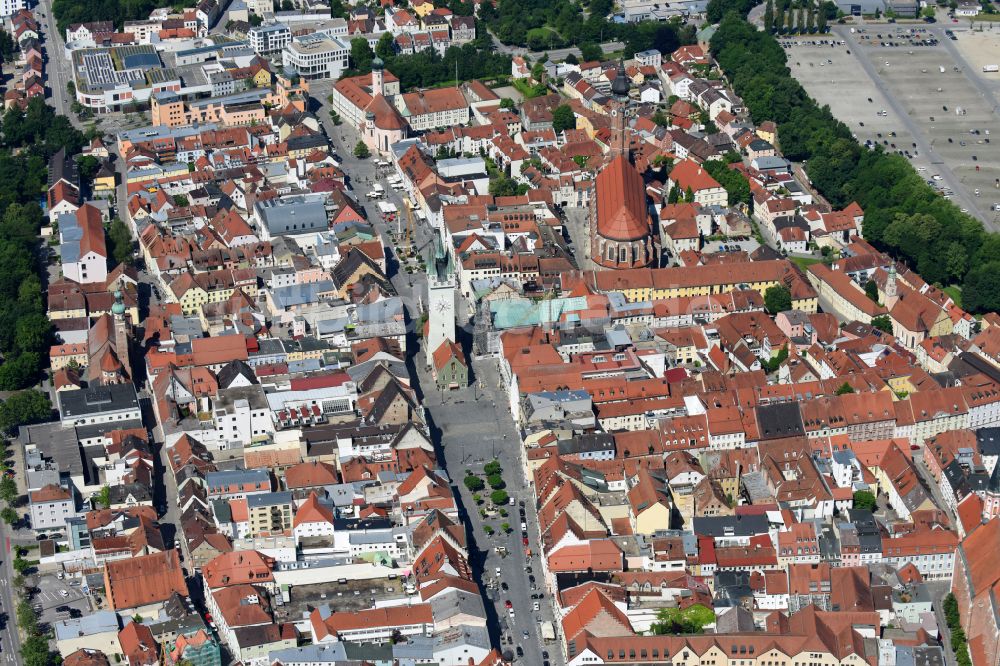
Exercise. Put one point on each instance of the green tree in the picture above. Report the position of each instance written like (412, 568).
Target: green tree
(590, 52)
(735, 183)
(769, 16)
(87, 166)
(473, 483)
(505, 186)
(8, 515)
(871, 290)
(981, 290)
(571, 59)
(7, 46)
(35, 652)
(777, 299)
(25, 615)
(951, 612)
(492, 467)
(181, 201)
(21, 565)
(677, 621)
(674, 196)
(103, 497)
(121, 242)
(33, 332)
(773, 363)
(23, 408)
(505, 527)
(864, 500)
(688, 195)
(507, 103)
(496, 481)
(8, 490)
(361, 151)
(361, 54)
(563, 118)
(883, 323)
(661, 118)
(384, 47)
(499, 497)
(20, 371)
(844, 388)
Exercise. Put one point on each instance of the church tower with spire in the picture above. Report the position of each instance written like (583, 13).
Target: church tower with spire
(621, 232)
(619, 111)
(440, 300)
(122, 334)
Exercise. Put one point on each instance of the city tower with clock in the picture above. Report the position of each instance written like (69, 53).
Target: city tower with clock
(441, 287)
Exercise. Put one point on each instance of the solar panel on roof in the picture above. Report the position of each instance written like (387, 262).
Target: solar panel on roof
(141, 60)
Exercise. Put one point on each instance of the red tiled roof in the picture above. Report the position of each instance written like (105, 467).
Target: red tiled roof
(621, 202)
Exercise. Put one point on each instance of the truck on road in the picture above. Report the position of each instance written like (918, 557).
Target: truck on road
(991, 68)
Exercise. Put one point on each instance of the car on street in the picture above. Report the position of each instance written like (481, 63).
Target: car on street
(508, 604)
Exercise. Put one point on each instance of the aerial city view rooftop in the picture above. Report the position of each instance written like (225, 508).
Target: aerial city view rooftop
(490, 332)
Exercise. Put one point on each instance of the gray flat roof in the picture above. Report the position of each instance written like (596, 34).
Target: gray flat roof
(97, 400)
(294, 214)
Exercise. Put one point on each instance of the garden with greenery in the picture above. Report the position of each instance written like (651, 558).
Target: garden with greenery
(492, 502)
(690, 620)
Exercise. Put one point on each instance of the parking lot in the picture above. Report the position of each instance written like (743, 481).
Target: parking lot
(886, 83)
(50, 603)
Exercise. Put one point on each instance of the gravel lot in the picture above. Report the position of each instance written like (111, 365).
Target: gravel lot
(907, 80)
(982, 48)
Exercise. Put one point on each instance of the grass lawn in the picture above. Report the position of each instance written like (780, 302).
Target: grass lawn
(804, 262)
(529, 91)
(956, 294)
(691, 620)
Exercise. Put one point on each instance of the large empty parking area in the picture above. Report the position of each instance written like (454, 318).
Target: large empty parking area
(910, 90)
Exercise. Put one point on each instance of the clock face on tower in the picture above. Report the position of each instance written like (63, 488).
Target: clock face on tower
(442, 306)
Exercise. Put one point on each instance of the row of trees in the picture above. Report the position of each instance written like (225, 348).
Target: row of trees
(795, 20)
(959, 643)
(29, 140)
(903, 215)
(427, 69)
(548, 24)
(735, 183)
(118, 11)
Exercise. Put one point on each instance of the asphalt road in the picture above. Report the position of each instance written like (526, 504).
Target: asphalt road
(57, 67)
(960, 195)
(11, 641)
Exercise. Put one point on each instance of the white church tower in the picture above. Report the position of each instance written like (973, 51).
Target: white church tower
(440, 301)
